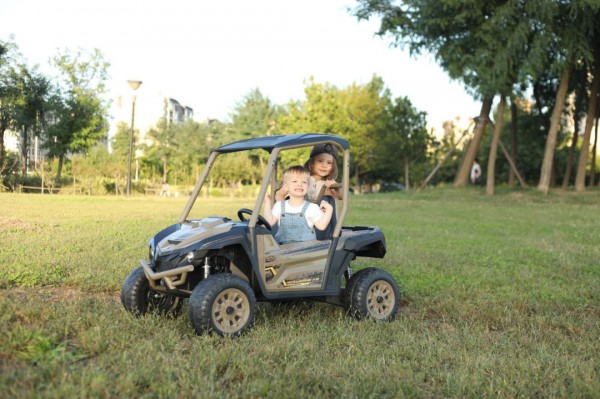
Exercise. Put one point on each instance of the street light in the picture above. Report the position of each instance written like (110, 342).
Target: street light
(134, 84)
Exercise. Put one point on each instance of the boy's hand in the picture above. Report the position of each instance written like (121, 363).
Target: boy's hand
(282, 192)
(325, 206)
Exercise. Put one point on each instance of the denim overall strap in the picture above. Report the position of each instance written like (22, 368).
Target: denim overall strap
(293, 226)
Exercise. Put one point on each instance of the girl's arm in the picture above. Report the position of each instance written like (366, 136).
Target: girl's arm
(334, 189)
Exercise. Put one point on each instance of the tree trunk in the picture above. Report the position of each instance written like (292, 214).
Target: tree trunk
(406, 175)
(24, 152)
(578, 103)
(513, 140)
(491, 166)
(164, 179)
(462, 177)
(559, 105)
(2, 130)
(594, 149)
(585, 143)
(61, 159)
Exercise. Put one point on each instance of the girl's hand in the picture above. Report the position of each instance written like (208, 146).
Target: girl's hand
(329, 183)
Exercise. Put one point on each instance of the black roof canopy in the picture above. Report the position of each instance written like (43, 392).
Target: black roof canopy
(268, 143)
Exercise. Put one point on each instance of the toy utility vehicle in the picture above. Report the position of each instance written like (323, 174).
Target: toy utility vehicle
(225, 266)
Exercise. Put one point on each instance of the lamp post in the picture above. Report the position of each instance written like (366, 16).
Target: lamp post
(134, 84)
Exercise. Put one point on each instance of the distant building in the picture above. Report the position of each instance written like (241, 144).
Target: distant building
(150, 108)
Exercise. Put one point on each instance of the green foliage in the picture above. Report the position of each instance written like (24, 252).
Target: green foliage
(9, 172)
(405, 141)
(10, 95)
(499, 299)
(119, 143)
(78, 108)
(377, 128)
(254, 116)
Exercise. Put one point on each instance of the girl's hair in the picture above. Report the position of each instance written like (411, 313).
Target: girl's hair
(310, 165)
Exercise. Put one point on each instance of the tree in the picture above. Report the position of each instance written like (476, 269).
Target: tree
(10, 95)
(493, 46)
(355, 113)
(404, 141)
(581, 83)
(254, 116)
(80, 112)
(31, 111)
(491, 167)
(573, 37)
(589, 122)
(164, 144)
(466, 38)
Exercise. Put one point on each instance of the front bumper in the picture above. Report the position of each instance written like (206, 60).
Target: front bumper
(172, 278)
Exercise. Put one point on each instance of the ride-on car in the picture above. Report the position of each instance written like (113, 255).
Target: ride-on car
(225, 266)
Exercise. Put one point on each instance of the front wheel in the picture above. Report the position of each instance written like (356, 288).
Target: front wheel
(224, 304)
(139, 299)
(372, 293)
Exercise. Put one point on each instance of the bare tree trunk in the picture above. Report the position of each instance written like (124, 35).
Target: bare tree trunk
(585, 143)
(559, 105)
(61, 159)
(406, 174)
(164, 179)
(462, 177)
(594, 149)
(3, 128)
(491, 166)
(578, 103)
(513, 140)
(439, 164)
(24, 151)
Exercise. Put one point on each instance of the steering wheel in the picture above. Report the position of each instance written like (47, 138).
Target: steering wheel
(261, 220)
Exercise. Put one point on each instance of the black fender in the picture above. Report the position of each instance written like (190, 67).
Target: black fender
(370, 245)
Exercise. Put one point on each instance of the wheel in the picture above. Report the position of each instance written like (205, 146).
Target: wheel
(261, 220)
(139, 299)
(350, 287)
(222, 303)
(372, 293)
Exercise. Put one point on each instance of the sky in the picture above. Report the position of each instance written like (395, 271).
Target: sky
(210, 54)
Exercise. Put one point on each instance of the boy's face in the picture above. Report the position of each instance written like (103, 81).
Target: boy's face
(297, 184)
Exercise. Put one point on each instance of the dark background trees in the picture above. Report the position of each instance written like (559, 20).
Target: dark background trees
(539, 57)
(505, 48)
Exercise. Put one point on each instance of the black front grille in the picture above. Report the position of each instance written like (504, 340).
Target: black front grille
(163, 263)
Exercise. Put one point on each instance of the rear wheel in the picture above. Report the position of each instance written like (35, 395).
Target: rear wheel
(139, 299)
(224, 304)
(372, 293)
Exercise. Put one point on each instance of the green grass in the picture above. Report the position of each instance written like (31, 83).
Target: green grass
(500, 299)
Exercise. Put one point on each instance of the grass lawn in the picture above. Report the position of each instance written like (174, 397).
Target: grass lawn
(501, 298)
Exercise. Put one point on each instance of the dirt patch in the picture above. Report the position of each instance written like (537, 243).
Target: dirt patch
(16, 224)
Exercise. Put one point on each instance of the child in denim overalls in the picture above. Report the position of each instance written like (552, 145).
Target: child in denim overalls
(296, 217)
